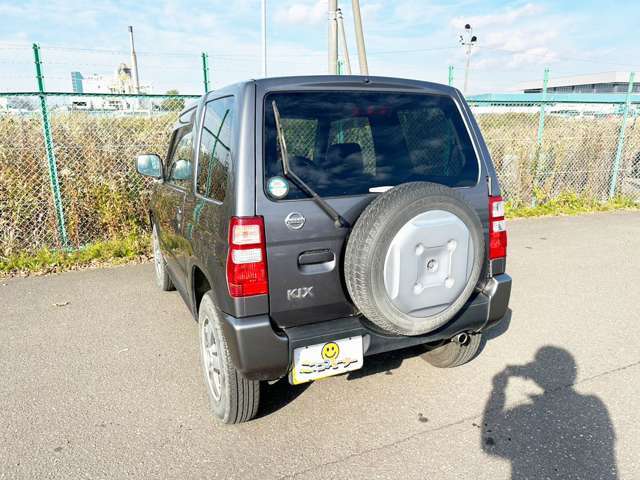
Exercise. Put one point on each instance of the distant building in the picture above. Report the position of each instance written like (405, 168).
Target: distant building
(17, 104)
(76, 82)
(606, 82)
(120, 83)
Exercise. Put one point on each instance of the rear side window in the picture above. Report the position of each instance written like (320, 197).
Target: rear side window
(214, 158)
(346, 143)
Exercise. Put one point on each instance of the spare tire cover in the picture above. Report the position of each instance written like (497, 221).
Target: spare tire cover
(414, 258)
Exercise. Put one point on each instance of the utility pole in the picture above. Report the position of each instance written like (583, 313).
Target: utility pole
(134, 62)
(343, 39)
(264, 38)
(469, 40)
(362, 54)
(333, 38)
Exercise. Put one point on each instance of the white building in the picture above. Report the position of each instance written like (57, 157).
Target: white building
(605, 82)
(120, 83)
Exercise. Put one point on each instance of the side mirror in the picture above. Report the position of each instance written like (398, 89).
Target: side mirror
(149, 165)
(182, 170)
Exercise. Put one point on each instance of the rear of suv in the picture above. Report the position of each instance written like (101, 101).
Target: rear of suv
(309, 222)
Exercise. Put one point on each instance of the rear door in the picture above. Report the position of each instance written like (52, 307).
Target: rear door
(347, 145)
(304, 248)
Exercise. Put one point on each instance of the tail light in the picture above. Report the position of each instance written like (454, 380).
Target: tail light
(497, 229)
(247, 259)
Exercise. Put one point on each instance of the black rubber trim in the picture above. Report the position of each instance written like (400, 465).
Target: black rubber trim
(256, 350)
(497, 266)
(498, 290)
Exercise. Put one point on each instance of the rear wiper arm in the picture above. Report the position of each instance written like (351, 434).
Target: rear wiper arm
(338, 221)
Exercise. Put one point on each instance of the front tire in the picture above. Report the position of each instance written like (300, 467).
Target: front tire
(453, 354)
(233, 398)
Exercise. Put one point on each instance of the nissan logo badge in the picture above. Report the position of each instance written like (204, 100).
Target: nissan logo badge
(294, 221)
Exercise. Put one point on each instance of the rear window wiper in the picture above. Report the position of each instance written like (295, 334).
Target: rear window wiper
(338, 220)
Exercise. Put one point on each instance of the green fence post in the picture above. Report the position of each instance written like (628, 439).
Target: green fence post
(450, 81)
(620, 149)
(545, 82)
(205, 71)
(48, 145)
(540, 136)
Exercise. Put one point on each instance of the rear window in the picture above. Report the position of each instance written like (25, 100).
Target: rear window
(346, 143)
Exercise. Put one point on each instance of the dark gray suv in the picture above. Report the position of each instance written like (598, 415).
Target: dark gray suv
(309, 222)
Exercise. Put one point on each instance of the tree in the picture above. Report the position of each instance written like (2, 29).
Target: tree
(172, 104)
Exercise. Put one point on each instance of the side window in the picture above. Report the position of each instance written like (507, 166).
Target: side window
(180, 165)
(214, 159)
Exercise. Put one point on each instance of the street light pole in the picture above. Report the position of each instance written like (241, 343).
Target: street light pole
(333, 37)
(362, 53)
(343, 40)
(468, 42)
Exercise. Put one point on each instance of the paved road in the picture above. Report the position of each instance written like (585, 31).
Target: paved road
(109, 386)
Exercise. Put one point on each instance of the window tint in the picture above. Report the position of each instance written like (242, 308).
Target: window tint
(344, 143)
(358, 131)
(183, 151)
(303, 143)
(214, 158)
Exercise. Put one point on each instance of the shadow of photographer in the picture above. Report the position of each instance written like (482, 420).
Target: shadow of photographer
(557, 434)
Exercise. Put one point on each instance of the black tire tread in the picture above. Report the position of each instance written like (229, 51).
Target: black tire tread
(243, 394)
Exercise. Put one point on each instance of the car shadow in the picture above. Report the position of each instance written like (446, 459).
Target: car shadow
(277, 395)
(493, 333)
(385, 362)
(559, 433)
(388, 361)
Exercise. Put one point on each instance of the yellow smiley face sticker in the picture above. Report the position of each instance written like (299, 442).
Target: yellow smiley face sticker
(330, 351)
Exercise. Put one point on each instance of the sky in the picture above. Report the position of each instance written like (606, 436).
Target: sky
(405, 38)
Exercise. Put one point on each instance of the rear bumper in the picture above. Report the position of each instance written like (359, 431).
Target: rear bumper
(261, 353)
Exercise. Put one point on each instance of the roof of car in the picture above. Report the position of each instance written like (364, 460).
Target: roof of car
(330, 81)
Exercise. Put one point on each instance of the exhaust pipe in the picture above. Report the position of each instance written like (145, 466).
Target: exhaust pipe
(461, 338)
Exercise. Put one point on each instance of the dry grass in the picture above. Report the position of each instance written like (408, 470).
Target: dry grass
(105, 199)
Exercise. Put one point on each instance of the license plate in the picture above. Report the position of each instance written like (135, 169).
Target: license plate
(326, 359)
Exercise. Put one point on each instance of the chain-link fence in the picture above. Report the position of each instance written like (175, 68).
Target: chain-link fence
(80, 185)
(84, 188)
(66, 159)
(581, 148)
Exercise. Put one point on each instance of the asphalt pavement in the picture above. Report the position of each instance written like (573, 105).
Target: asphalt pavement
(100, 378)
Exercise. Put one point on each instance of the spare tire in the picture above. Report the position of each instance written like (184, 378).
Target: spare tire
(414, 258)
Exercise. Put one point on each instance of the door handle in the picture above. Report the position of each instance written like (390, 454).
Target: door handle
(313, 257)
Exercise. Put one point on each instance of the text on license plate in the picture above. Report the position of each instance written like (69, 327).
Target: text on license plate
(326, 359)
